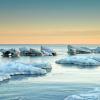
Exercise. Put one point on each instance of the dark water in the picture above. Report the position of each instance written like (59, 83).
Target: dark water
(62, 81)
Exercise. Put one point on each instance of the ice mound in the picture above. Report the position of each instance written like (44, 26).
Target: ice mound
(95, 57)
(47, 51)
(17, 68)
(45, 66)
(83, 60)
(89, 96)
(72, 50)
(38, 65)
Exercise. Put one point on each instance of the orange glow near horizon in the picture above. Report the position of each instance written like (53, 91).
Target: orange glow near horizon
(57, 37)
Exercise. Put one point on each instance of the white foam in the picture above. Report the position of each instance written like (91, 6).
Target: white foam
(15, 68)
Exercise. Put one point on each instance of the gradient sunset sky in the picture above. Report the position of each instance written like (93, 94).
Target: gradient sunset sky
(49, 21)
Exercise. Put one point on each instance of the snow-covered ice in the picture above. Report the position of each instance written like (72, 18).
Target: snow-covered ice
(83, 60)
(18, 68)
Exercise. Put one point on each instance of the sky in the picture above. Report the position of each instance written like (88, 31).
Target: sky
(49, 21)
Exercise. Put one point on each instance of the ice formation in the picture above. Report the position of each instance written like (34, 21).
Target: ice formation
(18, 68)
(83, 60)
(88, 96)
(47, 51)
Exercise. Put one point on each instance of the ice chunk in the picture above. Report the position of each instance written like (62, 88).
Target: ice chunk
(42, 65)
(19, 68)
(29, 52)
(23, 49)
(10, 53)
(96, 57)
(88, 96)
(78, 50)
(97, 50)
(47, 51)
(45, 66)
(79, 60)
(4, 77)
(14, 68)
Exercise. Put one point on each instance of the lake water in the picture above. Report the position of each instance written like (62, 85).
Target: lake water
(61, 82)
